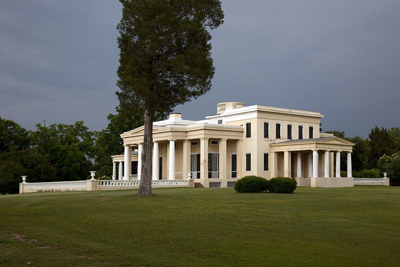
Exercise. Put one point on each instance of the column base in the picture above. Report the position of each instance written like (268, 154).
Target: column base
(303, 181)
(332, 182)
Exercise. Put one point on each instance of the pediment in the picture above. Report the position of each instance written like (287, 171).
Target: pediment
(140, 131)
(335, 141)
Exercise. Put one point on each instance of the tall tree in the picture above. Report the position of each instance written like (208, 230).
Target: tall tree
(165, 60)
(69, 148)
(13, 136)
(380, 143)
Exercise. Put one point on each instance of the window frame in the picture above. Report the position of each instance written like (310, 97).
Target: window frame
(266, 161)
(266, 129)
(248, 162)
(278, 126)
(248, 129)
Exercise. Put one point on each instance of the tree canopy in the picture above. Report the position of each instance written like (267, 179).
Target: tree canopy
(165, 60)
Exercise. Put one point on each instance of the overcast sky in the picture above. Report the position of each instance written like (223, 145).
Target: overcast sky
(58, 61)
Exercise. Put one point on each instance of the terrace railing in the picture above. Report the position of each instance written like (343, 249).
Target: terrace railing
(92, 185)
(371, 181)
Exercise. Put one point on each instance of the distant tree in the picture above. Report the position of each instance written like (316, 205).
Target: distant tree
(165, 60)
(13, 136)
(360, 153)
(337, 133)
(394, 133)
(69, 148)
(391, 165)
(380, 143)
(14, 164)
(108, 141)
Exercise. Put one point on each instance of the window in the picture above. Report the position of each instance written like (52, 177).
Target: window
(214, 142)
(233, 166)
(231, 184)
(300, 132)
(266, 159)
(248, 130)
(195, 143)
(213, 166)
(248, 162)
(219, 121)
(289, 131)
(311, 130)
(266, 130)
(278, 131)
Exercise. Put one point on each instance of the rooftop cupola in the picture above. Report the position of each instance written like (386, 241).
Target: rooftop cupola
(225, 106)
(175, 116)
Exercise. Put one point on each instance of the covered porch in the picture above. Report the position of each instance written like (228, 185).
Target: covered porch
(312, 162)
(205, 153)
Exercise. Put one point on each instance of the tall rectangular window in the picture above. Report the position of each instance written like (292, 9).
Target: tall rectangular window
(248, 130)
(266, 159)
(248, 162)
(311, 134)
(300, 132)
(266, 130)
(278, 131)
(289, 131)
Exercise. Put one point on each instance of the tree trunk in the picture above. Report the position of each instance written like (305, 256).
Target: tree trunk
(147, 155)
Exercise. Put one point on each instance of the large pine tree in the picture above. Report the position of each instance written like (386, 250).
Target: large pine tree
(165, 60)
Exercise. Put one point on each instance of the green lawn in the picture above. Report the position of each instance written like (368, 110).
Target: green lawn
(203, 227)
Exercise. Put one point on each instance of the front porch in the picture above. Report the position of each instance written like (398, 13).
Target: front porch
(312, 162)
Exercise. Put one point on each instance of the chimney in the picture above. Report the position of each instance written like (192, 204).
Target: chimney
(175, 116)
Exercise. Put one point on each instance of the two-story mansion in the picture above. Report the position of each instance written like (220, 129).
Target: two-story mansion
(236, 142)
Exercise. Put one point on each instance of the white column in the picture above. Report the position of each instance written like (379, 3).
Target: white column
(139, 165)
(120, 171)
(315, 163)
(286, 165)
(204, 158)
(310, 165)
(155, 161)
(171, 169)
(127, 163)
(186, 150)
(273, 164)
(222, 159)
(299, 174)
(114, 170)
(338, 164)
(326, 169)
(349, 169)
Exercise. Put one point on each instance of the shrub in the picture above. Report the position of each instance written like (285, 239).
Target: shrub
(282, 185)
(372, 173)
(251, 184)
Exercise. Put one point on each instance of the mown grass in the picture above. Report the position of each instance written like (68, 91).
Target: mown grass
(203, 227)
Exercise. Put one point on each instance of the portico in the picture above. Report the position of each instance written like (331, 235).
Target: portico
(311, 161)
(196, 151)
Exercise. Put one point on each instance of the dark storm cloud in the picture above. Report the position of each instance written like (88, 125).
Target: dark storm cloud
(58, 60)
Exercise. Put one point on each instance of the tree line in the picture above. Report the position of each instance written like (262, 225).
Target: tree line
(61, 152)
(375, 155)
(58, 152)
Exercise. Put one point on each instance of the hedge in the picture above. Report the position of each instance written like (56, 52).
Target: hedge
(251, 184)
(281, 185)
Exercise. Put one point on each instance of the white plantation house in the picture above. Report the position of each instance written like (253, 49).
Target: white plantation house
(236, 142)
(216, 152)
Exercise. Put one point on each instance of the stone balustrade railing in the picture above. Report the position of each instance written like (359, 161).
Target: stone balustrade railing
(371, 181)
(92, 185)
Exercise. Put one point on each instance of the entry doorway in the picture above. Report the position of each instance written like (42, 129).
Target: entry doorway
(233, 166)
(195, 166)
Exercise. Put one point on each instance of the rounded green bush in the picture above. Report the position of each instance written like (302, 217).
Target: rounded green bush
(281, 185)
(251, 184)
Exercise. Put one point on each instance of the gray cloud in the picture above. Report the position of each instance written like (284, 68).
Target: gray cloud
(58, 60)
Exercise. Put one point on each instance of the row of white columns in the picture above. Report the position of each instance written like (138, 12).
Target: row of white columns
(171, 159)
(314, 165)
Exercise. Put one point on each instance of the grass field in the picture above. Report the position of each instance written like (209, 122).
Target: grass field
(203, 227)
